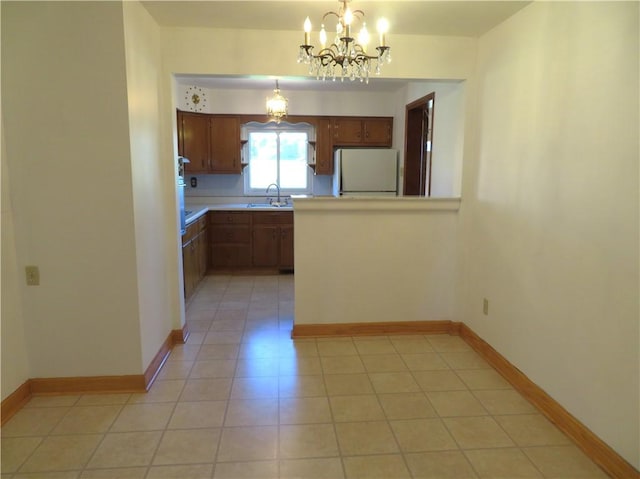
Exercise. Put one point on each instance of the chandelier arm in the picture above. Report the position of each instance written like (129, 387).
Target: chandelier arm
(329, 13)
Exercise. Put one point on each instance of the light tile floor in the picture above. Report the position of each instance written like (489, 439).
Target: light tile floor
(242, 400)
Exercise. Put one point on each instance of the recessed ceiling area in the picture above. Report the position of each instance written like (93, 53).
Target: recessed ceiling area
(267, 83)
(456, 18)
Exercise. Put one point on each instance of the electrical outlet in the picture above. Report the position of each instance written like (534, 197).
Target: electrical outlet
(485, 306)
(33, 275)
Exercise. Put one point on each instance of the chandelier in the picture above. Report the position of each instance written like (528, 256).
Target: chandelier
(346, 56)
(277, 105)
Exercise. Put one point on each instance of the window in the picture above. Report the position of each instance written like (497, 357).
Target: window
(277, 154)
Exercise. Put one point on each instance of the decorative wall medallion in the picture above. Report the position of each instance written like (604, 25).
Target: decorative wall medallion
(195, 98)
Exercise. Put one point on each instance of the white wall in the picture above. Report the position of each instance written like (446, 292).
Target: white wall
(13, 350)
(153, 209)
(379, 261)
(66, 125)
(550, 210)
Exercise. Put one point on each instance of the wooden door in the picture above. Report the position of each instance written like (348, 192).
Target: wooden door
(418, 146)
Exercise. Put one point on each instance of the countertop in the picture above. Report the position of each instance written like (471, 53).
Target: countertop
(193, 212)
(305, 203)
(332, 204)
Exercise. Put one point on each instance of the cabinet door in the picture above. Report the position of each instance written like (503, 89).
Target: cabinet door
(377, 131)
(193, 141)
(225, 144)
(201, 255)
(188, 269)
(347, 131)
(265, 245)
(286, 246)
(230, 256)
(324, 147)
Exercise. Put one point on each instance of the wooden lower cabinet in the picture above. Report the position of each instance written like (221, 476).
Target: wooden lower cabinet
(258, 240)
(265, 248)
(194, 256)
(286, 246)
(230, 239)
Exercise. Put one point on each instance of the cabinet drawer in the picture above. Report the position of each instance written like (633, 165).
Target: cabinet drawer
(190, 232)
(272, 217)
(229, 217)
(202, 224)
(230, 234)
(230, 256)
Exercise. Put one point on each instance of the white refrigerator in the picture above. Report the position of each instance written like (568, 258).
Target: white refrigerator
(366, 172)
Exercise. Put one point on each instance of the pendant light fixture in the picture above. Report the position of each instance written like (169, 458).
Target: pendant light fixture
(277, 105)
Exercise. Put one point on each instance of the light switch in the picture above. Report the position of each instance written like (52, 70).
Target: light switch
(33, 275)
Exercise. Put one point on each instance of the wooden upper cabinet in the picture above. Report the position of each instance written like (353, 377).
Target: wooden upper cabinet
(377, 131)
(362, 131)
(225, 144)
(324, 147)
(212, 143)
(347, 131)
(193, 141)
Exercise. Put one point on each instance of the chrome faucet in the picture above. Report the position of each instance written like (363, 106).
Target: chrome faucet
(278, 189)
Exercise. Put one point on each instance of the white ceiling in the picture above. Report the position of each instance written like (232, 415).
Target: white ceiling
(416, 17)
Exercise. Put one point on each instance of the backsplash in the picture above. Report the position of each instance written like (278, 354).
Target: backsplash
(233, 185)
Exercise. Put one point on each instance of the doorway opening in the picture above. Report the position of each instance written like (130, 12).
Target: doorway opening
(418, 146)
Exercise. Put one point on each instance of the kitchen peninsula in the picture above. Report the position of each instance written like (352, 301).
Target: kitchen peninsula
(374, 260)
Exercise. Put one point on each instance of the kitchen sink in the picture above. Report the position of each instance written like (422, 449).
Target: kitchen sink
(267, 205)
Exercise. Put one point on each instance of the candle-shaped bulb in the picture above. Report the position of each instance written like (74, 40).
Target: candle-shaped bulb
(383, 28)
(323, 37)
(307, 31)
(363, 37)
(348, 16)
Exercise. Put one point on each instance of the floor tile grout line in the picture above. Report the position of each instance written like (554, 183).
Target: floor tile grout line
(333, 419)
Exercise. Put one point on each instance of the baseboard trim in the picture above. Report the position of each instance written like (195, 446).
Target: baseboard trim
(603, 455)
(179, 336)
(158, 360)
(176, 336)
(14, 402)
(88, 384)
(136, 383)
(300, 331)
